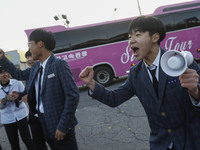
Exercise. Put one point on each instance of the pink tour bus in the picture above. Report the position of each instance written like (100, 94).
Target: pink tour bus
(105, 45)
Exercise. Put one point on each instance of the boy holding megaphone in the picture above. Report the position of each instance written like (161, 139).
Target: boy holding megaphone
(171, 103)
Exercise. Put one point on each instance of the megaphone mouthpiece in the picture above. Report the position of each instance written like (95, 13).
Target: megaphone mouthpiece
(175, 62)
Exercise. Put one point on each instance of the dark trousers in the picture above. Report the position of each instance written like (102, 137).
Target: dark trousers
(0, 147)
(12, 134)
(68, 143)
(37, 133)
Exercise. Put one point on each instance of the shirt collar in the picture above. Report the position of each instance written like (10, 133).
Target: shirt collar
(10, 83)
(44, 63)
(156, 61)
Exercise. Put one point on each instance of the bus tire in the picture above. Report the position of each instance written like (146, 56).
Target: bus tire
(103, 75)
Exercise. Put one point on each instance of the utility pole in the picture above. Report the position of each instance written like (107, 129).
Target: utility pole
(115, 11)
(139, 7)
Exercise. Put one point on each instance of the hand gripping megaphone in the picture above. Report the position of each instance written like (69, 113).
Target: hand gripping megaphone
(174, 63)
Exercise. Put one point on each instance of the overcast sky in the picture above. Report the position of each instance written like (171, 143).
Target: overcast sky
(19, 15)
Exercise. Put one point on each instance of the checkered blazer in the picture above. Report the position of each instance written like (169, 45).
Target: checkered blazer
(171, 116)
(59, 92)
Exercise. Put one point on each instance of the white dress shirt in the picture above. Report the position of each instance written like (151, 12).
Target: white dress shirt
(154, 65)
(41, 108)
(9, 112)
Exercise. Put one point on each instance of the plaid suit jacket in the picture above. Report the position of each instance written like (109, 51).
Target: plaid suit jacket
(171, 116)
(59, 92)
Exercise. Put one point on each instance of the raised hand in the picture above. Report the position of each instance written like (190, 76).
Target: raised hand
(86, 76)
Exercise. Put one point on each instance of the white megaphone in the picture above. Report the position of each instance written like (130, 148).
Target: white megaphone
(174, 63)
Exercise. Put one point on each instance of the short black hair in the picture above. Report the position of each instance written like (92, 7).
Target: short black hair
(1, 69)
(28, 54)
(148, 23)
(44, 36)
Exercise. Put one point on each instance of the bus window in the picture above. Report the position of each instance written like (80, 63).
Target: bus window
(62, 41)
(87, 37)
(117, 31)
(181, 20)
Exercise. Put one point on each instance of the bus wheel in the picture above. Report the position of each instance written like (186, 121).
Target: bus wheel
(103, 75)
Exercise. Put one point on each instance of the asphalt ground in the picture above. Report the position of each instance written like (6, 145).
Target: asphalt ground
(103, 128)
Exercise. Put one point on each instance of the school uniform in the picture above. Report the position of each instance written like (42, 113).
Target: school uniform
(173, 117)
(59, 98)
(14, 116)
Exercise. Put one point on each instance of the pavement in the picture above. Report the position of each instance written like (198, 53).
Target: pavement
(121, 128)
(103, 128)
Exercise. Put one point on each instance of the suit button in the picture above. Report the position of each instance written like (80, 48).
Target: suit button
(163, 114)
(169, 130)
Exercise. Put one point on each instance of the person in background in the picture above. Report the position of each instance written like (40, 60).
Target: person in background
(52, 92)
(29, 59)
(171, 103)
(13, 113)
(29, 62)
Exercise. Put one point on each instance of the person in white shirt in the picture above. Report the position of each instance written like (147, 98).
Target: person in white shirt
(13, 113)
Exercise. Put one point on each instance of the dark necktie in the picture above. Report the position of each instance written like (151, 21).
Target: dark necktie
(155, 82)
(39, 85)
(16, 102)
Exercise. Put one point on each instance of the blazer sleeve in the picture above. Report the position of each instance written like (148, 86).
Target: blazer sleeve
(114, 98)
(196, 67)
(71, 96)
(15, 73)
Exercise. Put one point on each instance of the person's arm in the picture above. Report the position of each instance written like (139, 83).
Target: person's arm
(190, 79)
(11, 68)
(3, 103)
(195, 102)
(112, 98)
(22, 92)
(18, 95)
(4, 100)
(86, 76)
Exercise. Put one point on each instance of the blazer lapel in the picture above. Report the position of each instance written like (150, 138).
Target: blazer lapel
(46, 72)
(162, 81)
(161, 84)
(146, 79)
(33, 76)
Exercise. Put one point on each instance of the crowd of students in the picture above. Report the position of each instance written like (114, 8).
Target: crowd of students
(172, 108)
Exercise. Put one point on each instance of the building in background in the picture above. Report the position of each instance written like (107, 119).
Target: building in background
(17, 57)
